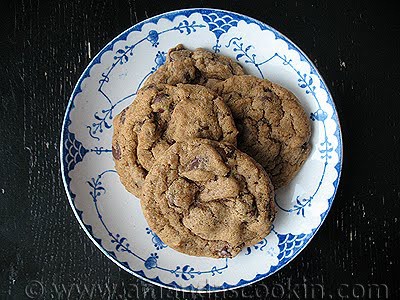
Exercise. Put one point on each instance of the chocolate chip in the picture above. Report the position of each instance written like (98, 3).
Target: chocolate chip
(268, 96)
(195, 163)
(254, 210)
(170, 199)
(171, 106)
(123, 116)
(229, 150)
(159, 121)
(156, 117)
(159, 98)
(221, 152)
(116, 151)
(226, 152)
(304, 146)
(161, 110)
(225, 251)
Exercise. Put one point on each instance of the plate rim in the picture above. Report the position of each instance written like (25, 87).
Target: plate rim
(64, 129)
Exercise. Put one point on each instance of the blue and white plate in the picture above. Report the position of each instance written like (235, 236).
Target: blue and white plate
(112, 218)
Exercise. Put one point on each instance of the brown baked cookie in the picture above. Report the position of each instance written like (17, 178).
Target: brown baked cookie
(194, 67)
(160, 116)
(207, 198)
(273, 127)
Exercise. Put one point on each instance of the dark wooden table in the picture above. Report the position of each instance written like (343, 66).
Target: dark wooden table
(44, 254)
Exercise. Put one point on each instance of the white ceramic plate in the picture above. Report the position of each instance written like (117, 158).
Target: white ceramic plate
(112, 217)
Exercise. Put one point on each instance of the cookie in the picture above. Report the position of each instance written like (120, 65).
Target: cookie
(207, 198)
(160, 116)
(195, 67)
(273, 127)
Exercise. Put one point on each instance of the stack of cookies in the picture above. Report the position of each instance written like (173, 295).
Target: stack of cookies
(204, 146)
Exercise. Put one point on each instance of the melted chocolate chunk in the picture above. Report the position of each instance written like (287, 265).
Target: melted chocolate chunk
(195, 163)
(116, 151)
(225, 252)
(159, 98)
(123, 116)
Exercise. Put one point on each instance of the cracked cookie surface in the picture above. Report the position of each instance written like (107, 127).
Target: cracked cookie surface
(195, 67)
(207, 198)
(160, 116)
(273, 127)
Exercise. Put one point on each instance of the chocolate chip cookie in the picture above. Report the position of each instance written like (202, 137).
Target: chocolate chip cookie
(207, 198)
(195, 67)
(273, 127)
(160, 116)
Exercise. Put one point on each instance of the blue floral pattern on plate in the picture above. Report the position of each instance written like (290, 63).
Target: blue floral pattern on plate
(112, 218)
